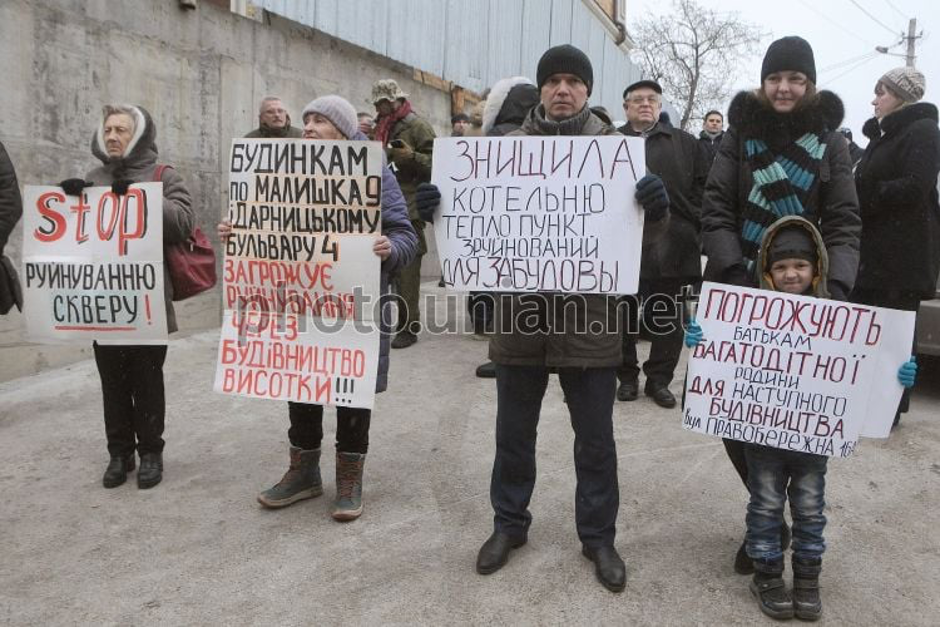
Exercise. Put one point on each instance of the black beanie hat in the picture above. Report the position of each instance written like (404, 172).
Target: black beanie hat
(790, 53)
(564, 59)
(792, 242)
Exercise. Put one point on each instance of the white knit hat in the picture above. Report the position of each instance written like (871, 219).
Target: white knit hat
(336, 109)
(906, 82)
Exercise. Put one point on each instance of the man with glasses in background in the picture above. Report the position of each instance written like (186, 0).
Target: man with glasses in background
(678, 158)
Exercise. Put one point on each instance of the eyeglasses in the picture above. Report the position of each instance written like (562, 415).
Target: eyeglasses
(642, 99)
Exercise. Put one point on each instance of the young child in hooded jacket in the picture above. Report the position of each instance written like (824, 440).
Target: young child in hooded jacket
(792, 259)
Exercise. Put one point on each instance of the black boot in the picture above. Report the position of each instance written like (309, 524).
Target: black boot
(768, 588)
(495, 552)
(151, 470)
(609, 567)
(807, 603)
(117, 470)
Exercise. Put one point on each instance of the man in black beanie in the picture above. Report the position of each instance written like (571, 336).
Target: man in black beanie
(585, 363)
(524, 348)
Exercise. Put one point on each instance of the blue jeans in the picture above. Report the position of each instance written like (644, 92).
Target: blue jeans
(589, 393)
(776, 475)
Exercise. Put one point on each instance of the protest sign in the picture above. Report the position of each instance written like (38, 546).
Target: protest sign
(93, 265)
(524, 214)
(794, 372)
(300, 279)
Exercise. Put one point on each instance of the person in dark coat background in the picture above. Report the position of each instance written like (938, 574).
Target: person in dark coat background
(711, 134)
(897, 182)
(789, 129)
(856, 153)
(676, 157)
(11, 208)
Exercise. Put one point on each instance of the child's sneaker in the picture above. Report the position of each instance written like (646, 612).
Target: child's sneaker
(768, 588)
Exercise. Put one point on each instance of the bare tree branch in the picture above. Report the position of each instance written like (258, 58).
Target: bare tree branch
(695, 54)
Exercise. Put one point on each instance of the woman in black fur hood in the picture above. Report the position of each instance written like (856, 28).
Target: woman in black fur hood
(782, 156)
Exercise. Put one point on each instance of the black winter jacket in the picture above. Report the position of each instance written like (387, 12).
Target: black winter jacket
(897, 182)
(832, 205)
(677, 157)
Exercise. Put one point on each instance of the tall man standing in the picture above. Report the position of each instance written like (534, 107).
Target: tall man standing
(524, 348)
(677, 158)
(409, 141)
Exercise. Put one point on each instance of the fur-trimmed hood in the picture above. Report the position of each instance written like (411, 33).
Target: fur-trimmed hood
(819, 284)
(900, 119)
(509, 101)
(753, 119)
(142, 149)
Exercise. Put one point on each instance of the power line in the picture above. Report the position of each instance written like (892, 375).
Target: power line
(835, 23)
(895, 8)
(873, 17)
(846, 62)
(855, 67)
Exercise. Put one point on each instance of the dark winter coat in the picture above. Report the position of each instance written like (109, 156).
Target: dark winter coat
(831, 204)
(397, 227)
(11, 208)
(675, 156)
(288, 132)
(561, 318)
(711, 144)
(139, 166)
(897, 182)
(506, 110)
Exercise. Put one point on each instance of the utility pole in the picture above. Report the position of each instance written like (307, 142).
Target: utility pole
(910, 53)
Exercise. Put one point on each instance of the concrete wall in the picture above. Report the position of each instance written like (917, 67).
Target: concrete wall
(200, 73)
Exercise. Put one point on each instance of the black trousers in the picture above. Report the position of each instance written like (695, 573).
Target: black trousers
(663, 319)
(589, 394)
(132, 391)
(306, 430)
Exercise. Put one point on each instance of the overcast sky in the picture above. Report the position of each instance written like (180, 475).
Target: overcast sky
(838, 31)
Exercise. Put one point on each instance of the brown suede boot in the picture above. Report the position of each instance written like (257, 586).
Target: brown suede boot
(301, 481)
(349, 502)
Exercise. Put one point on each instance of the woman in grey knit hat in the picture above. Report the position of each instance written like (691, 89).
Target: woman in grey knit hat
(333, 118)
(896, 181)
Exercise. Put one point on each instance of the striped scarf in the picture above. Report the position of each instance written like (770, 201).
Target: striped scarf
(782, 183)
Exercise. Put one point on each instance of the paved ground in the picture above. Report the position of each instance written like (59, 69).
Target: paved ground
(198, 549)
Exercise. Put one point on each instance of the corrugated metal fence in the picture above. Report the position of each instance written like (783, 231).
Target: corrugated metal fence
(472, 43)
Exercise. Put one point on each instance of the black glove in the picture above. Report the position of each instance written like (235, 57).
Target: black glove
(120, 186)
(427, 199)
(837, 291)
(74, 187)
(651, 193)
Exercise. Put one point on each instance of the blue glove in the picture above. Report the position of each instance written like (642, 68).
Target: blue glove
(74, 187)
(651, 193)
(907, 373)
(693, 334)
(427, 199)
